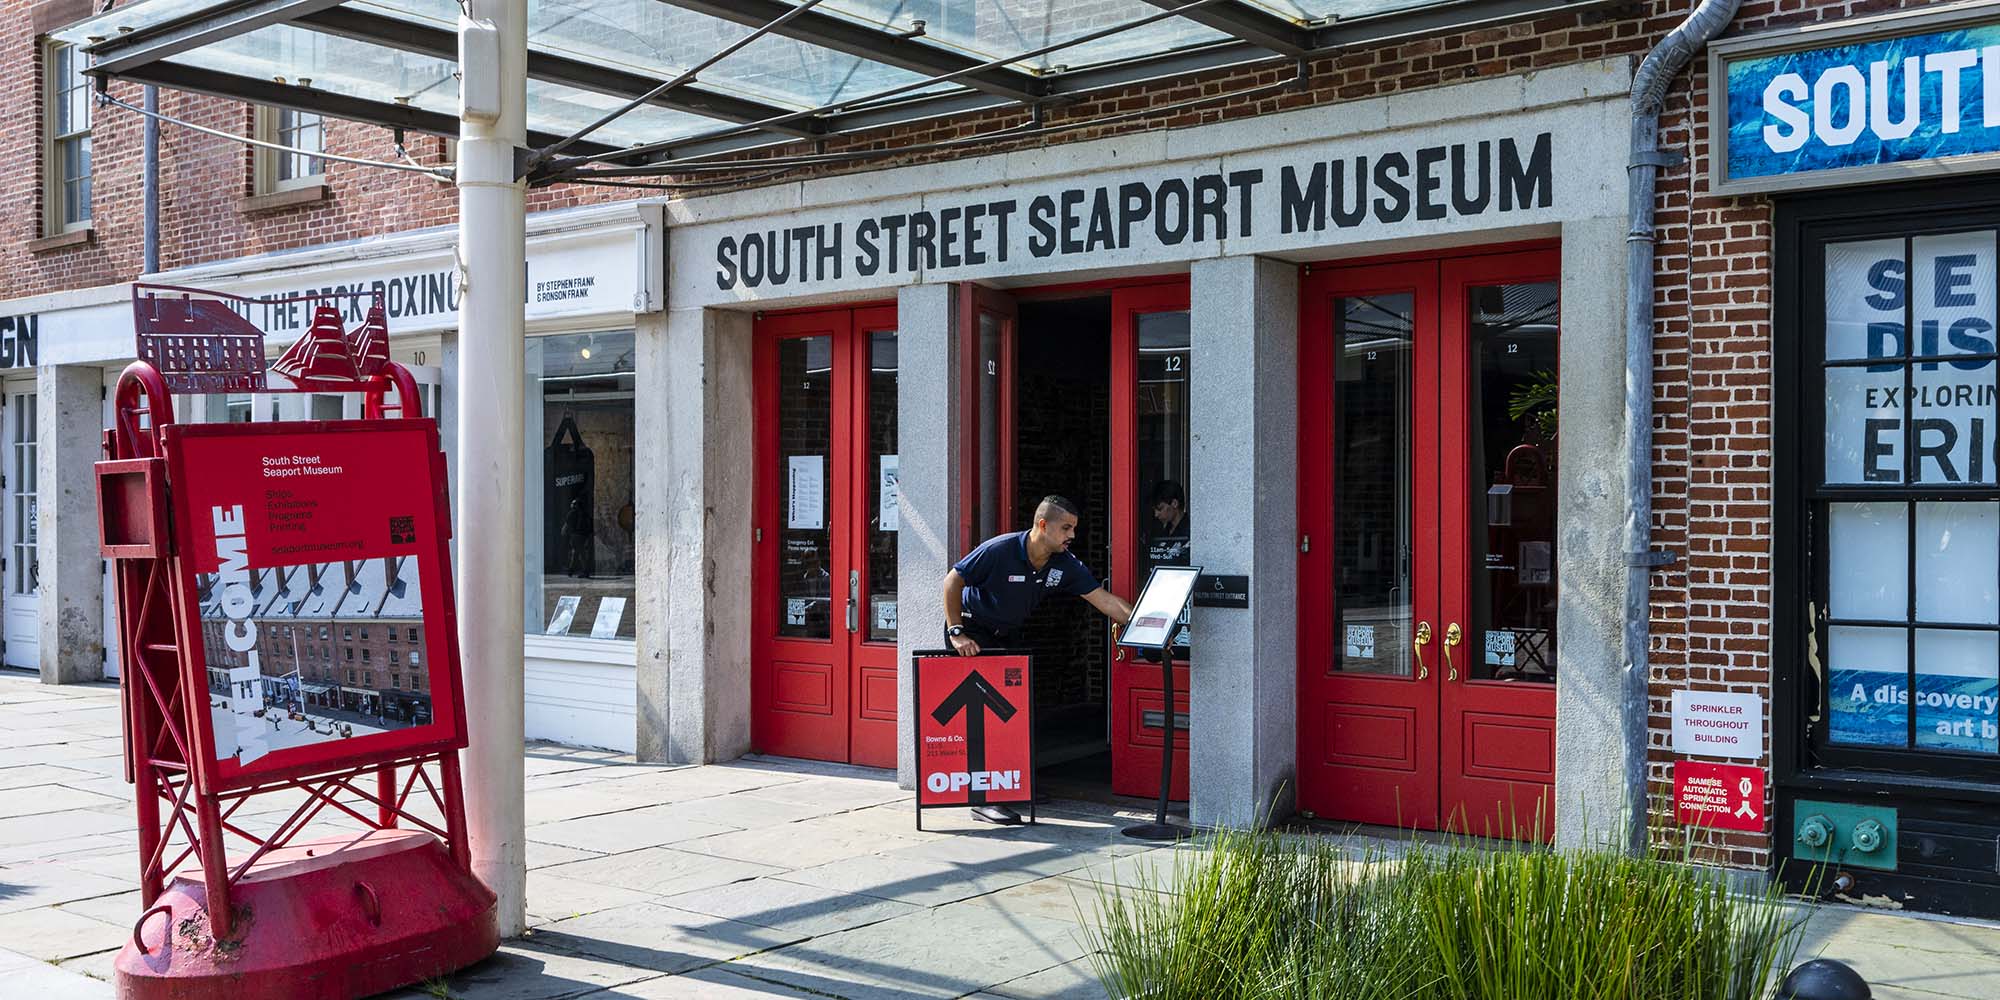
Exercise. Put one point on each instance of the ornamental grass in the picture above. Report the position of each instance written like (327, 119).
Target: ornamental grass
(1265, 916)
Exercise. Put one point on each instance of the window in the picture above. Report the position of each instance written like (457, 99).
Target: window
(413, 638)
(350, 675)
(66, 157)
(364, 632)
(396, 681)
(350, 653)
(393, 656)
(581, 557)
(347, 633)
(287, 171)
(413, 658)
(364, 656)
(322, 631)
(1899, 331)
(392, 634)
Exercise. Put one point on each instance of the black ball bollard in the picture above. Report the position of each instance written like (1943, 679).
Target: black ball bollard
(1824, 979)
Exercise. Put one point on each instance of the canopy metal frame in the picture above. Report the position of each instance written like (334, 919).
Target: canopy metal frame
(745, 124)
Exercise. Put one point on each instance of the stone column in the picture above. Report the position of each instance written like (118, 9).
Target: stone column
(69, 407)
(694, 438)
(1243, 502)
(1600, 709)
(927, 435)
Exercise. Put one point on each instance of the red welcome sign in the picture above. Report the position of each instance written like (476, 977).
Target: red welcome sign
(315, 560)
(1725, 796)
(975, 730)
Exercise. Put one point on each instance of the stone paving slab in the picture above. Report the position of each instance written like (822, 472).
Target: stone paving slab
(794, 879)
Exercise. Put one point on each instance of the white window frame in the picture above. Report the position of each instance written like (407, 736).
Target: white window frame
(272, 166)
(55, 187)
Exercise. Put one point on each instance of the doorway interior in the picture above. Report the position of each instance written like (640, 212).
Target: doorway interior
(1062, 445)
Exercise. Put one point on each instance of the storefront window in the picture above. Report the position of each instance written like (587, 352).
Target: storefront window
(580, 504)
(1908, 561)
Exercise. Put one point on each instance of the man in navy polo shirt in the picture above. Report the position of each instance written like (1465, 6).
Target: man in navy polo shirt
(989, 594)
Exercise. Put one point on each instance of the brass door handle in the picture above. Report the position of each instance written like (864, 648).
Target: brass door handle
(1423, 639)
(1453, 635)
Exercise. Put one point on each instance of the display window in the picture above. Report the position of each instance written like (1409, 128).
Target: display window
(581, 541)
(1896, 458)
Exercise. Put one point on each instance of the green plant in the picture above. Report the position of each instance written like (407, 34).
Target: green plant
(1258, 916)
(1536, 400)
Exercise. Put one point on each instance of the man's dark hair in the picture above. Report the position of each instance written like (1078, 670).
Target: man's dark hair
(1168, 491)
(1052, 503)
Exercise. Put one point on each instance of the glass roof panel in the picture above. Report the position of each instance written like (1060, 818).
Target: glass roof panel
(662, 41)
(1332, 10)
(359, 69)
(996, 29)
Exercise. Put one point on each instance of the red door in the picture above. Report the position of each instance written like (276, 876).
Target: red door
(1368, 516)
(823, 664)
(1150, 516)
(1427, 462)
(1497, 592)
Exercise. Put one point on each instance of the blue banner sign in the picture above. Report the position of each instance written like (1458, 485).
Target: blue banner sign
(1864, 110)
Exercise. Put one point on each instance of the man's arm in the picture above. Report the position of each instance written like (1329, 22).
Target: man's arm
(1110, 605)
(954, 612)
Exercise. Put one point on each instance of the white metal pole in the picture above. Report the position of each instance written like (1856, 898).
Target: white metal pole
(492, 248)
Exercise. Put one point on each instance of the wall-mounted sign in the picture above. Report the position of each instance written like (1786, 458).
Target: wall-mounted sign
(1213, 591)
(1718, 724)
(1857, 101)
(1724, 796)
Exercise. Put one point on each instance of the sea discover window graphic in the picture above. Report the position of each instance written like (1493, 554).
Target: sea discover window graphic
(1907, 486)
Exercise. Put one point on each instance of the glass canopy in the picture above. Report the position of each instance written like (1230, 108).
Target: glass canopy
(840, 66)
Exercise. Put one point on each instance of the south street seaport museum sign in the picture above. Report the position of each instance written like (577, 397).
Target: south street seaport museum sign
(1065, 221)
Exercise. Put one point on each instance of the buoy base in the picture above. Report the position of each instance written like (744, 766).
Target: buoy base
(330, 919)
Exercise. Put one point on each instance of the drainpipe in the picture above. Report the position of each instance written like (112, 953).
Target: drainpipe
(1649, 94)
(150, 184)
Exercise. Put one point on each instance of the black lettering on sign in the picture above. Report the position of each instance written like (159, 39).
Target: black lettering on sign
(20, 339)
(1389, 187)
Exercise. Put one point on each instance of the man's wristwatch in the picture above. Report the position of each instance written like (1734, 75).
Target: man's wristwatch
(955, 630)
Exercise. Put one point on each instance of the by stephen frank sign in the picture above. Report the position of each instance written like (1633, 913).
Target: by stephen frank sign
(1857, 101)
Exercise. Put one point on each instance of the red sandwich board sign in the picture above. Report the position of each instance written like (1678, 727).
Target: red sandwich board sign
(975, 730)
(1724, 796)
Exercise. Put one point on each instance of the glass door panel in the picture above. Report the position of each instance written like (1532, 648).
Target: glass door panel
(1512, 444)
(882, 475)
(1373, 431)
(805, 538)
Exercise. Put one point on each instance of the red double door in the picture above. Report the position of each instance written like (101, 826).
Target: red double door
(1427, 591)
(823, 653)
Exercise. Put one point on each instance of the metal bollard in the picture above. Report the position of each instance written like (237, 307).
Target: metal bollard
(1824, 979)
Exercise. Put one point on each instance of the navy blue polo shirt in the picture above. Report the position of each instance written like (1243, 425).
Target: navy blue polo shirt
(1002, 587)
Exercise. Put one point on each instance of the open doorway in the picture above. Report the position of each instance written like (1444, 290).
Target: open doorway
(1063, 446)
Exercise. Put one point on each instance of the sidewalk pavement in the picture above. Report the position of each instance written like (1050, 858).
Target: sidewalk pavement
(762, 878)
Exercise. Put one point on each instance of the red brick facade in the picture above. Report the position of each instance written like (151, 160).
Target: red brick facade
(1712, 393)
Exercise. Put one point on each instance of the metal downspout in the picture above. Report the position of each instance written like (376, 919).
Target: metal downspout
(149, 184)
(1649, 91)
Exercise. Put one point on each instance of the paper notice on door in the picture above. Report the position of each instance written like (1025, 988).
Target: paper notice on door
(610, 612)
(806, 506)
(885, 615)
(1500, 645)
(565, 613)
(795, 610)
(1360, 642)
(890, 516)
